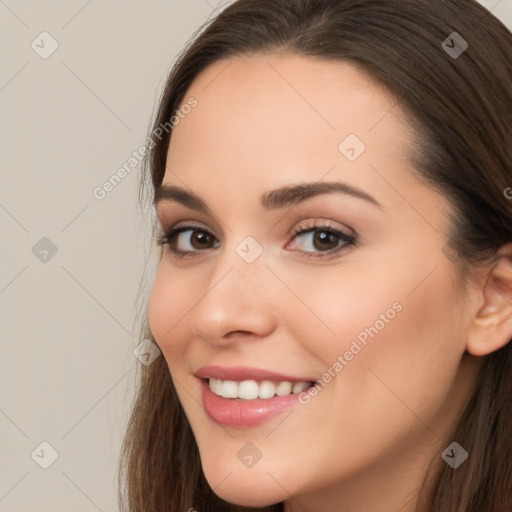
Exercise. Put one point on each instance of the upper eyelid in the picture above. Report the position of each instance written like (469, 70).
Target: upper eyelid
(162, 204)
(322, 222)
(168, 226)
(294, 231)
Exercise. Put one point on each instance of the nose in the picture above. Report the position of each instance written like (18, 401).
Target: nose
(237, 303)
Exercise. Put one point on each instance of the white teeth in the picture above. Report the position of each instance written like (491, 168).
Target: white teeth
(266, 389)
(300, 386)
(248, 389)
(251, 389)
(284, 388)
(228, 389)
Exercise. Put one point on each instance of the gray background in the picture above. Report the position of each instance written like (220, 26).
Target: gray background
(67, 123)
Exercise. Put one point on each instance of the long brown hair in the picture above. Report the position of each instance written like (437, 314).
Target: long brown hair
(461, 107)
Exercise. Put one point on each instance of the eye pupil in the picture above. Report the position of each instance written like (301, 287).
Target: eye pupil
(325, 238)
(201, 238)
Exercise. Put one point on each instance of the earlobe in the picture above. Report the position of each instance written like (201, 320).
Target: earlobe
(491, 328)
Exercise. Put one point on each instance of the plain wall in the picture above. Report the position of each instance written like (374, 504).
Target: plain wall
(71, 255)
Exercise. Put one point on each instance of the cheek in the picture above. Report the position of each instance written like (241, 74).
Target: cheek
(382, 322)
(414, 357)
(342, 308)
(168, 305)
(426, 342)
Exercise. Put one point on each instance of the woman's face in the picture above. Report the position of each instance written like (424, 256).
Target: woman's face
(380, 321)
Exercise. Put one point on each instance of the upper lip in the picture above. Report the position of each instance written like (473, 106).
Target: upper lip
(240, 373)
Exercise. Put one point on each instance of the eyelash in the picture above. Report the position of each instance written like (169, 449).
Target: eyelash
(170, 236)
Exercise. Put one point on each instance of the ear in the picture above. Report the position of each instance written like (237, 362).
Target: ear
(491, 327)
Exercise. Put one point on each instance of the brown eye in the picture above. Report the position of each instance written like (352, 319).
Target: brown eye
(187, 240)
(322, 240)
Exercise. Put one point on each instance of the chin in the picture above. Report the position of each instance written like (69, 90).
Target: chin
(256, 497)
(248, 487)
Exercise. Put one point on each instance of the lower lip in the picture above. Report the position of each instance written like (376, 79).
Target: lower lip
(237, 413)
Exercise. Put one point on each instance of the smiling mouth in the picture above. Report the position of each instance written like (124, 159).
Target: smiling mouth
(247, 390)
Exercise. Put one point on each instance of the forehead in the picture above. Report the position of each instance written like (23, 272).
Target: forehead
(277, 118)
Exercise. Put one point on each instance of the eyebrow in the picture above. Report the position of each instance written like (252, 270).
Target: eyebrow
(272, 200)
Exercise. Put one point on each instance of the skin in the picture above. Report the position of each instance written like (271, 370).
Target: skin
(364, 442)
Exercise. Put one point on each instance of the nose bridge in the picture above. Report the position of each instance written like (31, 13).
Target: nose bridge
(240, 268)
(236, 298)
(242, 261)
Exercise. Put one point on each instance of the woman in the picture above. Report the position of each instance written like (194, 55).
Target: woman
(333, 301)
